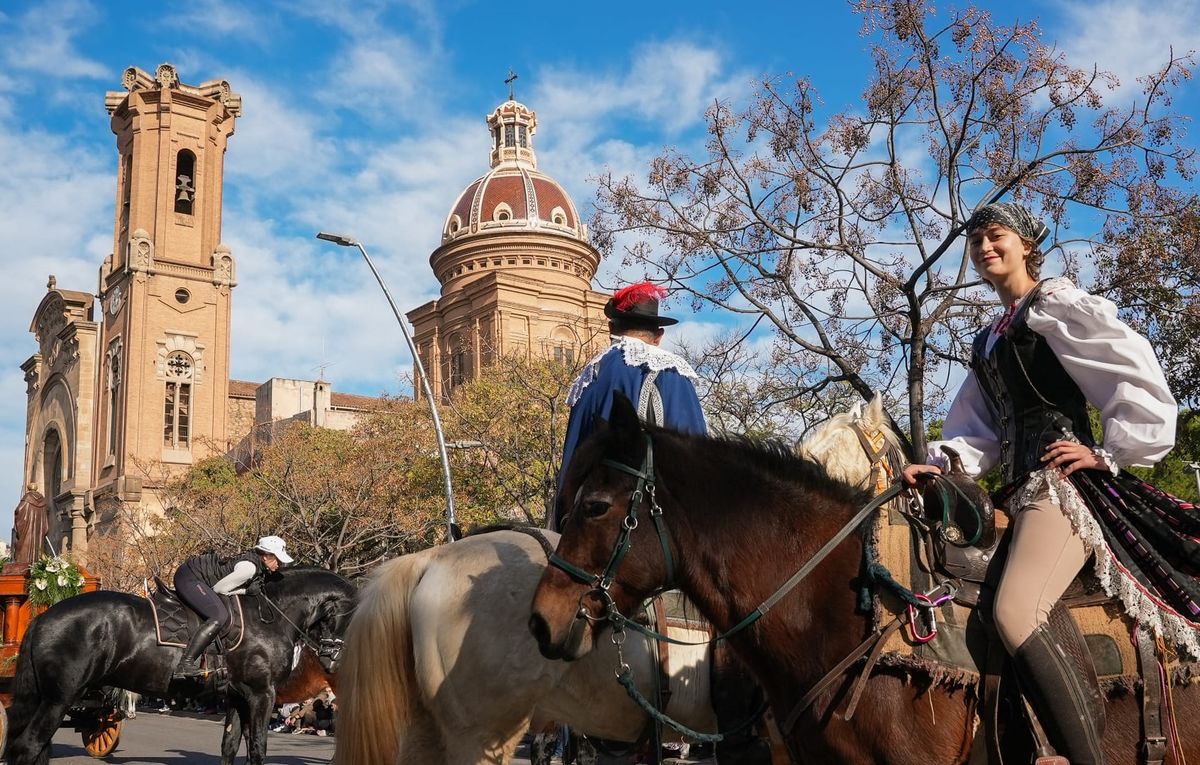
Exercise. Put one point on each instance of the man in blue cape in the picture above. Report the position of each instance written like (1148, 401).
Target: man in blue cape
(659, 383)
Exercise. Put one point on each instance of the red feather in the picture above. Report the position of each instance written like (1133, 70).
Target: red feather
(634, 294)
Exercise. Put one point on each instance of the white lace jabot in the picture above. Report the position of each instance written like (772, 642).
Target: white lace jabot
(637, 354)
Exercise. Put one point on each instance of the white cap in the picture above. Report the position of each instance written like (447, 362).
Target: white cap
(275, 546)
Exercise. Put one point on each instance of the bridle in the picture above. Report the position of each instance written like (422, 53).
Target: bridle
(883, 456)
(602, 582)
(327, 648)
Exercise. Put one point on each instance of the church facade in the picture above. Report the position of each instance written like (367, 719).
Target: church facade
(131, 385)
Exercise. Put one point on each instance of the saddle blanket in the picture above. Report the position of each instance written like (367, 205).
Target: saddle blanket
(175, 621)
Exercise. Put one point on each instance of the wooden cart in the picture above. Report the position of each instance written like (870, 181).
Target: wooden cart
(96, 716)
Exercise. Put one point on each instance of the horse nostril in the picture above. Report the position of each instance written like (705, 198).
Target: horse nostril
(539, 628)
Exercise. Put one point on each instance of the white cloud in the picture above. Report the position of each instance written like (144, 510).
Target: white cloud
(276, 147)
(1129, 39)
(380, 76)
(668, 84)
(216, 18)
(42, 41)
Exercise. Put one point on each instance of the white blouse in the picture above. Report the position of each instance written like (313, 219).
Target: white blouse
(1114, 367)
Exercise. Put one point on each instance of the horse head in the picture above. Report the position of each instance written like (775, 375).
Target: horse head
(318, 603)
(613, 549)
(857, 447)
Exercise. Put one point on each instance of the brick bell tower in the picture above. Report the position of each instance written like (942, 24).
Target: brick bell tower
(163, 353)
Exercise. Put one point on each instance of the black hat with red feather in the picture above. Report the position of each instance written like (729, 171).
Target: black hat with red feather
(637, 306)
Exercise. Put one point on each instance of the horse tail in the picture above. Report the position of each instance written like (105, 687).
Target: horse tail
(378, 693)
(26, 690)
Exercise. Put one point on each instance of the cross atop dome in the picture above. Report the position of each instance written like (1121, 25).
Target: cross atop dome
(512, 125)
(512, 78)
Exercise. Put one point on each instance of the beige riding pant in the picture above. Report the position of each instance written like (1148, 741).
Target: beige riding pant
(1045, 556)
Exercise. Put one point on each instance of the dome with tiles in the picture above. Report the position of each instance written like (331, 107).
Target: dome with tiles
(514, 195)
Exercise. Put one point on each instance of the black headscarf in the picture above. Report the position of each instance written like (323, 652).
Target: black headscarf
(1010, 215)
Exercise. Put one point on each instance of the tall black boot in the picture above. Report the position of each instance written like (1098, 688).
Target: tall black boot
(189, 665)
(1064, 701)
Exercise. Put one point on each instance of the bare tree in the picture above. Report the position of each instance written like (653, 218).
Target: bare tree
(840, 231)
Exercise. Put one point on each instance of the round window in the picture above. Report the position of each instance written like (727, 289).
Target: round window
(182, 295)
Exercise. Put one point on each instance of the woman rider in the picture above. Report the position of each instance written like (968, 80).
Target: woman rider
(201, 579)
(1024, 406)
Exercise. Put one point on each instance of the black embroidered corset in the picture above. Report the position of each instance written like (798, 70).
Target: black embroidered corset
(1032, 399)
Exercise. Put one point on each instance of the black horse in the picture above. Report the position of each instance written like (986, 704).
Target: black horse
(108, 639)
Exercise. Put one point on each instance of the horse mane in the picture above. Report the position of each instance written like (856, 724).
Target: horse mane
(776, 462)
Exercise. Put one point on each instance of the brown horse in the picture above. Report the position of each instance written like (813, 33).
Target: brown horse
(739, 520)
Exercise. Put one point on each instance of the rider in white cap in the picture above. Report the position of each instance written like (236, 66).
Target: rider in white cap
(201, 579)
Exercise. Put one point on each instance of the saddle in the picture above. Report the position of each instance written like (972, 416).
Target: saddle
(175, 621)
(957, 550)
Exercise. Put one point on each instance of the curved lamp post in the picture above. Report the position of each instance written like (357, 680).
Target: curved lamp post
(451, 522)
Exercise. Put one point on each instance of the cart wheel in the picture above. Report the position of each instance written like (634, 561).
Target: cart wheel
(102, 740)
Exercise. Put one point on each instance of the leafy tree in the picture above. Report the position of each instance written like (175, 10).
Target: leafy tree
(841, 231)
(344, 500)
(512, 421)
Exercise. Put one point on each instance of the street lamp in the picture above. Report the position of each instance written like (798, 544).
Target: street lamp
(451, 522)
(1195, 468)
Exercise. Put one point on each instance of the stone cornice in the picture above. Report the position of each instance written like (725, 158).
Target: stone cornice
(165, 77)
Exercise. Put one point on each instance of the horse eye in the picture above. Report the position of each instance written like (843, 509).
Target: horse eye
(594, 508)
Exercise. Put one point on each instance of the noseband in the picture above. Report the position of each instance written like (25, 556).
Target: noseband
(643, 491)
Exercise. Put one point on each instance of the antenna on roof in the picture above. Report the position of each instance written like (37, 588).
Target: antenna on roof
(320, 368)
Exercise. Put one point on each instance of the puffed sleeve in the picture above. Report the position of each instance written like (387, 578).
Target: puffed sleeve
(1115, 368)
(968, 430)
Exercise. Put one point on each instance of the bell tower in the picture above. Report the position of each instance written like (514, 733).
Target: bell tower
(165, 291)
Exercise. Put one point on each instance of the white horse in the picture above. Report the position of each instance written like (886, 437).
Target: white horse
(440, 667)
(836, 445)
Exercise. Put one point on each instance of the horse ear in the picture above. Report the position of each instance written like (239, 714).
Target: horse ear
(875, 410)
(855, 411)
(624, 426)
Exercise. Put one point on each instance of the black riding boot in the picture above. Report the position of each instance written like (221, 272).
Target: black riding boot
(189, 665)
(1068, 707)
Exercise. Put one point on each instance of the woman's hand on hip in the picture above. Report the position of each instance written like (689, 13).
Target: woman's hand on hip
(1069, 456)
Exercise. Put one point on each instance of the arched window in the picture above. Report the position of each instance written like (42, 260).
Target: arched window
(52, 464)
(521, 134)
(502, 212)
(185, 182)
(177, 402)
(456, 355)
(126, 188)
(510, 135)
(113, 380)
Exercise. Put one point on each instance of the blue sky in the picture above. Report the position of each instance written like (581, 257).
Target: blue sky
(367, 117)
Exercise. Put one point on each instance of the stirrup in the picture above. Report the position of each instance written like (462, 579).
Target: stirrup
(188, 669)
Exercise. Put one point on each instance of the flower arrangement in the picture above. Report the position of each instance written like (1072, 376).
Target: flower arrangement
(52, 580)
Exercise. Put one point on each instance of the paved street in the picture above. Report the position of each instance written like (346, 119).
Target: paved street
(184, 738)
